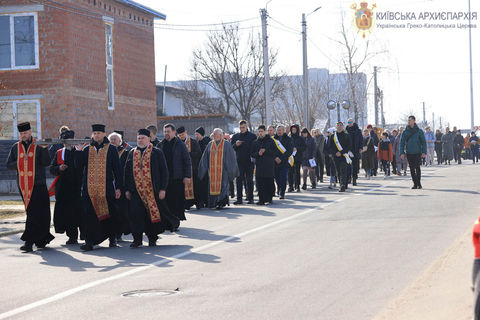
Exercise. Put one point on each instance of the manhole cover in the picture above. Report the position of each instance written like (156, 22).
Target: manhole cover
(149, 293)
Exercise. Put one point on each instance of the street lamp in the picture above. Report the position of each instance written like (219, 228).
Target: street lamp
(332, 104)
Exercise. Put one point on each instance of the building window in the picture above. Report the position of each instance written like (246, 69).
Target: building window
(18, 41)
(17, 111)
(109, 64)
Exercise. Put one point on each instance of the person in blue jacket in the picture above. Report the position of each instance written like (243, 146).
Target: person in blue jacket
(414, 146)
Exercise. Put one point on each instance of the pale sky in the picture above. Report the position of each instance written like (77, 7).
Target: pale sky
(430, 65)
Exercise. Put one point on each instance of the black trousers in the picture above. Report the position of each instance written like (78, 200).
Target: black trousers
(294, 175)
(266, 188)
(319, 169)
(458, 155)
(175, 198)
(414, 161)
(245, 179)
(341, 168)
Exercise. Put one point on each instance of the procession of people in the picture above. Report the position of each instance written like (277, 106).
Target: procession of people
(106, 188)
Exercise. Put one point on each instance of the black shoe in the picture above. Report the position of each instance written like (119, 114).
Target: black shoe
(298, 189)
(290, 190)
(86, 247)
(321, 180)
(354, 182)
(199, 206)
(72, 241)
(41, 245)
(259, 203)
(113, 243)
(304, 187)
(419, 186)
(238, 202)
(152, 243)
(282, 197)
(250, 202)
(314, 187)
(136, 244)
(342, 189)
(27, 247)
(414, 187)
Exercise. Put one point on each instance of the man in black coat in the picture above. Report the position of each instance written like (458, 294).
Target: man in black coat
(33, 188)
(340, 146)
(282, 163)
(195, 154)
(179, 170)
(102, 182)
(67, 186)
(356, 140)
(242, 144)
(203, 143)
(375, 139)
(153, 135)
(298, 148)
(146, 179)
(264, 151)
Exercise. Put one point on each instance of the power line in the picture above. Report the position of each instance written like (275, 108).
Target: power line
(284, 25)
(96, 15)
(284, 30)
(208, 24)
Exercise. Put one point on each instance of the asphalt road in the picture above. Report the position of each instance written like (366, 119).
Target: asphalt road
(316, 255)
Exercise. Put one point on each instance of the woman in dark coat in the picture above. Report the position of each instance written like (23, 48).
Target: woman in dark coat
(308, 155)
(447, 145)
(368, 154)
(438, 146)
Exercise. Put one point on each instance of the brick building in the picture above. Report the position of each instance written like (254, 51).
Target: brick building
(76, 62)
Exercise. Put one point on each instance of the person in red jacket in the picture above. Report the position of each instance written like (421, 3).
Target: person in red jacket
(385, 153)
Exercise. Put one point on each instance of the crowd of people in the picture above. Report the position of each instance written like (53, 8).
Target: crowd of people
(106, 189)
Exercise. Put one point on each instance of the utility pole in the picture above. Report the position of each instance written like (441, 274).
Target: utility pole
(424, 118)
(375, 94)
(472, 116)
(164, 90)
(306, 110)
(266, 69)
(381, 108)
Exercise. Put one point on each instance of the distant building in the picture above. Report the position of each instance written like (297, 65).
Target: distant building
(174, 97)
(207, 121)
(76, 63)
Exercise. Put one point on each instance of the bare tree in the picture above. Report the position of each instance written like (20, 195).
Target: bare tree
(196, 99)
(354, 58)
(233, 69)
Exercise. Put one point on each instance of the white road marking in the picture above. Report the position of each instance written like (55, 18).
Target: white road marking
(92, 284)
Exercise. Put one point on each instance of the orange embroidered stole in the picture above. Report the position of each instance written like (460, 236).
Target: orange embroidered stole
(97, 180)
(143, 181)
(189, 195)
(60, 161)
(216, 168)
(26, 171)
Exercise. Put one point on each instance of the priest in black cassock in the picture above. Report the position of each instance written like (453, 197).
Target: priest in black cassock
(219, 164)
(102, 182)
(192, 189)
(146, 179)
(66, 187)
(203, 141)
(30, 160)
(179, 170)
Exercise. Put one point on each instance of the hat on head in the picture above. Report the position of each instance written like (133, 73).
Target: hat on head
(24, 126)
(143, 132)
(331, 130)
(181, 129)
(98, 127)
(120, 132)
(69, 134)
(200, 130)
(369, 126)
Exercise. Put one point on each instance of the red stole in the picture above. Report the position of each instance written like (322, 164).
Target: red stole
(26, 170)
(143, 181)
(60, 161)
(216, 167)
(97, 180)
